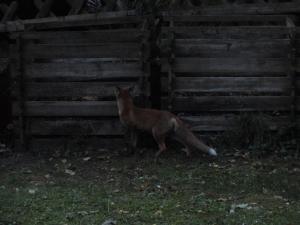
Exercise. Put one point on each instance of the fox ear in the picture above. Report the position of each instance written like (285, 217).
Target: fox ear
(131, 89)
(117, 90)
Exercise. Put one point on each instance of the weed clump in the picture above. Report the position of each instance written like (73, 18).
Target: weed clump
(259, 135)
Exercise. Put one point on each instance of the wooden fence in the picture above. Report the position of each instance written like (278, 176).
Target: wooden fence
(218, 67)
(67, 79)
(212, 69)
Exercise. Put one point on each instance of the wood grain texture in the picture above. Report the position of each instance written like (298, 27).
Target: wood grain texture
(230, 104)
(250, 85)
(68, 108)
(83, 71)
(54, 90)
(241, 66)
(120, 50)
(230, 32)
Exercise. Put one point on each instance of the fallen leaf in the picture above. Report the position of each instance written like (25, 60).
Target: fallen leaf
(86, 158)
(70, 172)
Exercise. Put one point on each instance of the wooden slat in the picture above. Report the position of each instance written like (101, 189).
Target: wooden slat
(231, 48)
(76, 71)
(230, 103)
(243, 9)
(226, 18)
(54, 90)
(120, 50)
(90, 127)
(249, 85)
(80, 37)
(232, 32)
(68, 108)
(205, 123)
(229, 66)
(103, 18)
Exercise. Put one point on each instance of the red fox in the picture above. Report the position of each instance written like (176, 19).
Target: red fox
(160, 123)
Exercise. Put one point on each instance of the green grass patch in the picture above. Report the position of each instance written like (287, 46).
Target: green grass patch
(177, 191)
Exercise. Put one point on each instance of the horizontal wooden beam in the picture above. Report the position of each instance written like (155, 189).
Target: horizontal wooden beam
(121, 17)
(242, 9)
(232, 66)
(72, 90)
(246, 85)
(231, 48)
(83, 37)
(112, 50)
(68, 108)
(230, 104)
(229, 32)
(83, 70)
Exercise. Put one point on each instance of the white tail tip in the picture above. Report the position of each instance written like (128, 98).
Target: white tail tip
(212, 152)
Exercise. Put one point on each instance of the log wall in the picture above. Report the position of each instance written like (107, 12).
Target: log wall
(216, 67)
(213, 68)
(67, 81)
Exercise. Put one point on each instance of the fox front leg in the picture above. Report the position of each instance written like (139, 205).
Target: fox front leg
(131, 140)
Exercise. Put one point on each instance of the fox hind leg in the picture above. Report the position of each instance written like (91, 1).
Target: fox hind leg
(160, 140)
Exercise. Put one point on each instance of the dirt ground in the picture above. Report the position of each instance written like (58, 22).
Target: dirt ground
(90, 188)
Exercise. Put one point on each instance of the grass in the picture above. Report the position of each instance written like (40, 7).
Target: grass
(178, 191)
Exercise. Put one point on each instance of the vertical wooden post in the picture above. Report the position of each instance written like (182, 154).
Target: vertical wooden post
(21, 95)
(145, 60)
(171, 59)
(292, 74)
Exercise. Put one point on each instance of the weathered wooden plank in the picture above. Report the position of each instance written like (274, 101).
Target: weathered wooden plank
(231, 48)
(242, 9)
(73, 90)
(68, 108)
(231, 32)
(83, 71)
(229, 65)
(64, 127)
(120, 50)
(103, 18)
(230, 103)
(205, 123)
(86, 36)
(248, 85)
(226, 18)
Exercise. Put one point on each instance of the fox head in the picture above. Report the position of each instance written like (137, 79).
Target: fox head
(124, 93)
